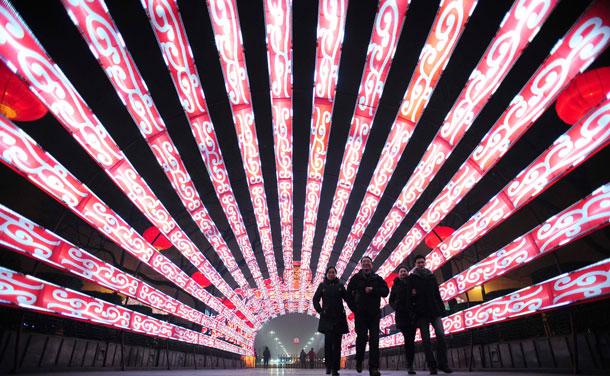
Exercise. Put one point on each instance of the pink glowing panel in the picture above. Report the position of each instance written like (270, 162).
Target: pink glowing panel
(580, 219)
(567, 59)
(172, 38)
(331, 24)
(223, 14)
(278, 25)
(21, 235)
(435, 55)
(386, 32)
(91, 209)
(82, 123)
(580, 142)
(34, 294)
(132, 90)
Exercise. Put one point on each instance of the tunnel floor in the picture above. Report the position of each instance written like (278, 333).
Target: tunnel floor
(263, 372)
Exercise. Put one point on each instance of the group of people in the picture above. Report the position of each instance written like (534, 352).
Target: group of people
(303, 357)
(415, 297)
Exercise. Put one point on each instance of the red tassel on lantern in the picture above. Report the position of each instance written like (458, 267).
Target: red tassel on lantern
(17, 102)
(584, 93)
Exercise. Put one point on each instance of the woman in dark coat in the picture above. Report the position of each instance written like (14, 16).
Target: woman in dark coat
(333, 322)
(401, 299)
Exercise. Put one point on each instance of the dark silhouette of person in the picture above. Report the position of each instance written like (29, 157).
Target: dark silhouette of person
(303, 358)
(429, 308)
(401, 300)
(312, 357)
(266, 356)
(366, 290)
(333, 321)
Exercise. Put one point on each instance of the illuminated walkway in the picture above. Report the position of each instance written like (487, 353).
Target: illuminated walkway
(262, 372)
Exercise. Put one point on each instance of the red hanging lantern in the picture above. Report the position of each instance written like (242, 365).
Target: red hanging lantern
(296, 340)
(351, 316)
(17, 102)
(583, 93)
(201, 279)
(156, 238)
(390, 279)
(227, 303)
(437, 235)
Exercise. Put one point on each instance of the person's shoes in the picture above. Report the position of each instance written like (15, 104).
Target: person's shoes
(446, 369)
(375, 372)
(411, 370)
(359, 367)
(328, 371)
(335, 373)
(433, 371)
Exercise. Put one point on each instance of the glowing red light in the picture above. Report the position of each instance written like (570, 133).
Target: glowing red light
(437, 235)
(201, 279)
(17, 102)
(156, 238)
(584, 93)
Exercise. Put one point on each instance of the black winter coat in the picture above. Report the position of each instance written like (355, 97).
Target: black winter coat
(401, 301)
(428, 301)
(332, 313)
(362, 303)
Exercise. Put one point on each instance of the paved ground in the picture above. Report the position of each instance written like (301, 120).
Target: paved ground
(272, 372)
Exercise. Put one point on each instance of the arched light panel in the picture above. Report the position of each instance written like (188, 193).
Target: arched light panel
(19, 152)
(331, 24)
(105, 42)
(278, 27)
(233, 328)
(22, 235)
(227, 32)
(71, 111)
(511, 39)
(380, 53)
(37, 295)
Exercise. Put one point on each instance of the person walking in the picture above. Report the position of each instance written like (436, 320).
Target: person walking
(303, 358)
(266, 356)
(365, 291)
(429, 308)
(312, 357)
(401, 300)
(333, 322)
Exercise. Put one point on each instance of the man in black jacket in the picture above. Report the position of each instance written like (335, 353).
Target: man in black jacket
(366, 290)
(429, 308)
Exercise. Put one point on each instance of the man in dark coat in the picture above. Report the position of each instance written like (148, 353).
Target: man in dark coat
(303, 358)
(312, 357)
(429, 308)
(365, 291)
(266, 356)
(333, 322)
(401, 300)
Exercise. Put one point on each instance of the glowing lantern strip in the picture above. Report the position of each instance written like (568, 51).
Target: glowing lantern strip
(572, 54)
(51, 86)
(580, 286)
(37, 295)
(19, 152)
(173, 42)
(434, 57)
(569, 150)
(584, 217)
(21, 235)
(278, 25)
(380, 52)
(330, 31)
(508, 129)
(514, 34)
(227, 32)
(99, 30)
